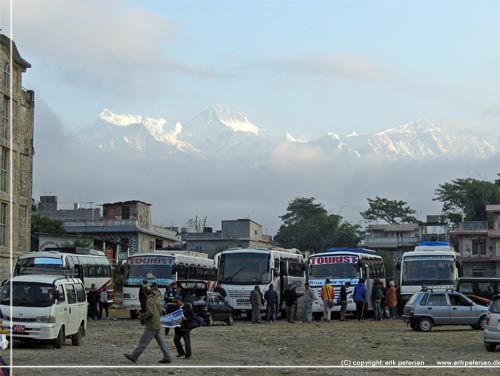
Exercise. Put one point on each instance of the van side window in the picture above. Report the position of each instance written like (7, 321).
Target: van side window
(80, 293)
(62, 295)
(70, 290)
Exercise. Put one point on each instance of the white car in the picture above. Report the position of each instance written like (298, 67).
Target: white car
(492, 325)
(45, 307)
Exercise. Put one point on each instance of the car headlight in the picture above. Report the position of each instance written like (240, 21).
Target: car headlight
(44, 319)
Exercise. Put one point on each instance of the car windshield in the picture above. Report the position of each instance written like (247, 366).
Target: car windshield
(27, 294)
(245, 268)
(495, 306)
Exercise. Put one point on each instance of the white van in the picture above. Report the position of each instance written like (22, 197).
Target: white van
(45, 307)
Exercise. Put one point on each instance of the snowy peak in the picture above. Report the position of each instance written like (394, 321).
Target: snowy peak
(235, 121)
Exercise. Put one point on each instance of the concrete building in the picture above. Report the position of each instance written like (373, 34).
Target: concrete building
(243, 233)
(127, 225)
(47, 207)
(479, 244)
(17, 106)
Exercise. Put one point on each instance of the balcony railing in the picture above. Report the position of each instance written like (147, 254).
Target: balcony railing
(472, 226)
(390, 241)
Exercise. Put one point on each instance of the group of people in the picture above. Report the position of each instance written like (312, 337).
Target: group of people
(98, 302)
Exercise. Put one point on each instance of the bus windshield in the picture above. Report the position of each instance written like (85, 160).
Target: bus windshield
(40, 263)
(244, 268)
(428, 271)
(334, 271)
(157, 269)
(28, 294)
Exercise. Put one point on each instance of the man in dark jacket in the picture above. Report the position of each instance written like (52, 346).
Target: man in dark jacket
(152, 330)
(184, 331)
(290, 297)
(271, 298)
(143, 297)
(93, 300)
(359, 297)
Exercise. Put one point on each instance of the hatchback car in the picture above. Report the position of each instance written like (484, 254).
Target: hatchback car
(210, 305)
(492, 325)
(428, 308)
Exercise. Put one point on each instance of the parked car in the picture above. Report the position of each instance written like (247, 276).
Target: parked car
(210, 305)
(429, 308)
(45, 308)
(479, 289)
(492, 325)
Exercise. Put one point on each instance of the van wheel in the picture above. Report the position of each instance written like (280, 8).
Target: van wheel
(425, 324)
(490, 346)
(230, 320)
(76, 338)
(210, 320)
(59, 341)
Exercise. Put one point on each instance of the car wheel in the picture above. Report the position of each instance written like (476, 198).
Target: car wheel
(76, 339)
(230, 320)
(482, 323)
(133, 314)
(210, 319)
(490, 346)
(425, 324)
(59, 341)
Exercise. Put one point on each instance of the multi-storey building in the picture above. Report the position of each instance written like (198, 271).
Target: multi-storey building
(17, 107)
(479, 244)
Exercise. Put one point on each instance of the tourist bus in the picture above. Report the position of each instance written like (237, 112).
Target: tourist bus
(163, 267)
(240, 270)
(90, 265)
(433, 265)
(341, 265)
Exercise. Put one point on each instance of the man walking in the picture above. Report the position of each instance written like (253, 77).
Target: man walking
(184, 331)
(152, 330)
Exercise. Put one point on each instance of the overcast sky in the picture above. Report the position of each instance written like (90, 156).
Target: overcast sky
(306, 67)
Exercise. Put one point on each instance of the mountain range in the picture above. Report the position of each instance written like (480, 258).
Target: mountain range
(219, 132)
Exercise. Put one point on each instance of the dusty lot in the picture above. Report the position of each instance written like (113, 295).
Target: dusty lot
(226, 350)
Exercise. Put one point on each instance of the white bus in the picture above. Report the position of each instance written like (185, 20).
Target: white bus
(163, 267)
(240, 270)
(341, 265)
(434, 265)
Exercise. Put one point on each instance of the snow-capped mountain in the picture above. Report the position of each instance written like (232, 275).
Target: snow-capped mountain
(219, 132)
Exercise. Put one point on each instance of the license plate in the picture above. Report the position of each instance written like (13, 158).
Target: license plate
(18, 328)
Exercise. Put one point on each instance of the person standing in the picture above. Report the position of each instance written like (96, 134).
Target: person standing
(391, 300)
(152, 330)
(290, 297)
(103, 303)
(343, 300)
(360, 298)
(143, 297)
(170, 304)
(377, 300)
(93, 300)
(221, 290)
(308, 300)
(327, 295)
(271, 298)
(183, 332)
(256, 300)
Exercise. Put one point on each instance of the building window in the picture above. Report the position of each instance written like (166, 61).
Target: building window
(3, 169)
(479, 246)
(5, 117)
(125, 212)
(6, 74)
(3, 223)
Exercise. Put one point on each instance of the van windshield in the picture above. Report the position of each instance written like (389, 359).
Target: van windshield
(28, 294)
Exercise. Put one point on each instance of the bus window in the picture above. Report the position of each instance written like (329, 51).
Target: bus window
(80, 293)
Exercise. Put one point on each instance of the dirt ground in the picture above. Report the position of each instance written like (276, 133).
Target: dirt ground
(277, 347)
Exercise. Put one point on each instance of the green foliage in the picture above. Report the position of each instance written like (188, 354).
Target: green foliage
(467, 196)
(40, 224)
(389, 263)
(390, 211)
(308, 226)
(79, 242)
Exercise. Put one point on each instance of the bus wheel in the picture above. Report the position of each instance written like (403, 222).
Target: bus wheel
(317, 316)
(133, 314)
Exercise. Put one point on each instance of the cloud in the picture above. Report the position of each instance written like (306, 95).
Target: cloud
(332, 66)
(102, 44)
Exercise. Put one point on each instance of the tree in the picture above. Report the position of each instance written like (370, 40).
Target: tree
(196, 224)
(308, 226)
(41, 224)
(390, 211)
(467, 197)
